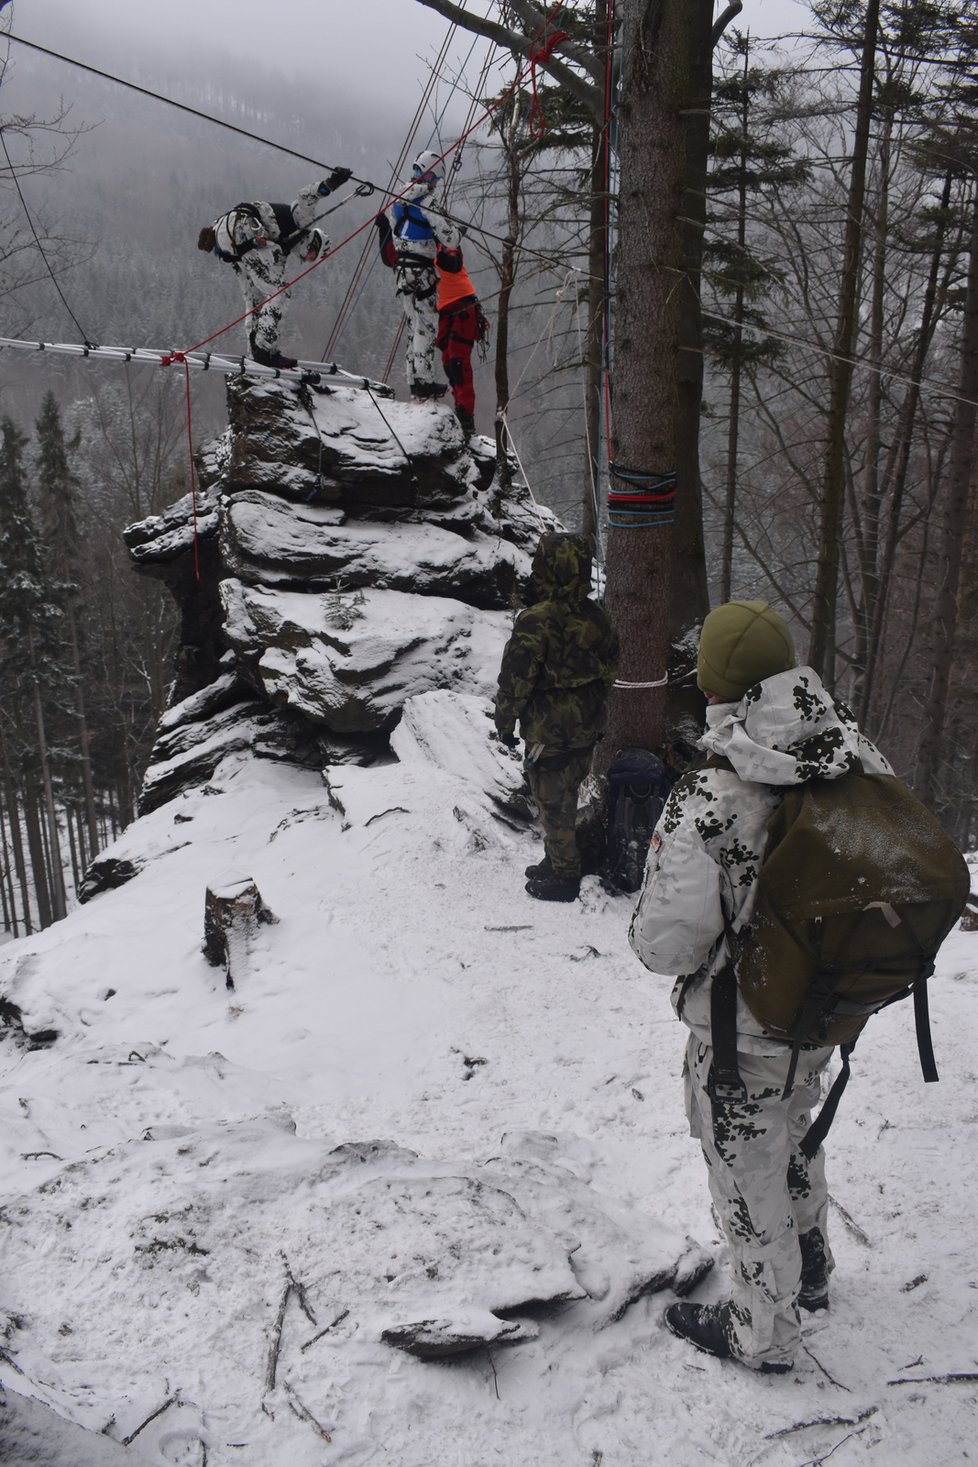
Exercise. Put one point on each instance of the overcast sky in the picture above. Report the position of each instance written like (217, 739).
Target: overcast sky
(386, 43)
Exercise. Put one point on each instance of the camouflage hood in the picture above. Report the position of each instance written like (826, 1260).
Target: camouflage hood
(561, 570)
(784, 730)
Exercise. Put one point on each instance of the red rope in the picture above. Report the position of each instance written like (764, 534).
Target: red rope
(536, 121)
(193, 471)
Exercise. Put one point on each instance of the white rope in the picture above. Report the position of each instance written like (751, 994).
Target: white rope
(661, 682)
(501, 418)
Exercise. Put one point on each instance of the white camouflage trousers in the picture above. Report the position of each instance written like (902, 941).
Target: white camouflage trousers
(764, 1190)
(262, 272)
(416, 288)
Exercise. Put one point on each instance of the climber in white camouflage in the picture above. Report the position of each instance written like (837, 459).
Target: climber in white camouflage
(417, 230)
(257, 240)
(777, 726)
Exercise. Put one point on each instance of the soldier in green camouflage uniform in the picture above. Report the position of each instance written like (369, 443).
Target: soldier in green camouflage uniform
(556, 672)
(777, 726)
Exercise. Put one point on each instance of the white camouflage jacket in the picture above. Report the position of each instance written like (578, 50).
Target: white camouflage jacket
(709, 842)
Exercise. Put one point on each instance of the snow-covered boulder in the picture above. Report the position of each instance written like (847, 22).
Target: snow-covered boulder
(351, 661)
(344, 444)
(265, 540)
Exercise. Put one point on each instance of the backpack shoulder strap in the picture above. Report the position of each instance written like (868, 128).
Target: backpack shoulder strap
(725, 1084)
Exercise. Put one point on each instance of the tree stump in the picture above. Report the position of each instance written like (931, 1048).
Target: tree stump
(232, 914)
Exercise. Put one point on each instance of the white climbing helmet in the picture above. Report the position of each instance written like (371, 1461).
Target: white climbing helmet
(427, 172)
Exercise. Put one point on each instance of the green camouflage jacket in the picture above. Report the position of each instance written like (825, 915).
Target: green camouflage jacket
(560, 661)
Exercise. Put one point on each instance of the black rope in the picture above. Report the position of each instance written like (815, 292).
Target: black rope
(47, 264)
(169, 102)
(389, 426)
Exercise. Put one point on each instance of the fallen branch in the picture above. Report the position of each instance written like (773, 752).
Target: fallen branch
(394, 810)
(828, 1377)
(302, 1411)
(173, 1400)
(338, 1320)
(853, 1226)
(275, 1344)
(950, 1379)
(292, 1286)
(822, 1421)
(817, 1461)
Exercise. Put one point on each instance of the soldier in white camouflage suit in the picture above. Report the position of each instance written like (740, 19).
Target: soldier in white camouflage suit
(778, 726)
(418, 228)
(257, 239)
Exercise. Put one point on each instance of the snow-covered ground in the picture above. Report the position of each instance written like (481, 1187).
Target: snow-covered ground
(427, 1096)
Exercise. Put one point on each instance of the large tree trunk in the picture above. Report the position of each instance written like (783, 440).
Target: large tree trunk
(952, 535)
(35, 846)
(821, 652)
(508, 134)
(16, 835)
(599, 225)
(898, 470)
(656, 573)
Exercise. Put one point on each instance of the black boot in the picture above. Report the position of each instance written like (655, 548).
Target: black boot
(814, 1291)
(540, 870)
(272, 359)
(554, 888)
(703, 1326)
(424, 390)
(466, 421)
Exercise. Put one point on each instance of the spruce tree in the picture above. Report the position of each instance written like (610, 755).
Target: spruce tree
(747, 160)
(57, 497)
(31, 669)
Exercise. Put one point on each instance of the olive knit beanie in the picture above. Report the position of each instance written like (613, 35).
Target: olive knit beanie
(742, 643)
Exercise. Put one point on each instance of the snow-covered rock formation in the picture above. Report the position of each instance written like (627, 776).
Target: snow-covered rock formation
(342, 554)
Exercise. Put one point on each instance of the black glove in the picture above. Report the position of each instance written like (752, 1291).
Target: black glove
(336, 180)
(507, 737)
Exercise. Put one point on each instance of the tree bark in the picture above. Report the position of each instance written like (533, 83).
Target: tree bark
(952, 534)
(876, 596)
(654, 584)
(821, 652)
(508, 135)
(35, 847)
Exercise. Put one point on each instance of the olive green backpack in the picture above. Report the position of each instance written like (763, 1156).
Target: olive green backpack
(858, 888)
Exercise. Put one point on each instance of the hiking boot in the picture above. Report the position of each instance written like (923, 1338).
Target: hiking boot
(555, 888)
(272, 359)
(421, 391)
(466, 421)
(703, 1326)
(814, 1291)
(541, 870)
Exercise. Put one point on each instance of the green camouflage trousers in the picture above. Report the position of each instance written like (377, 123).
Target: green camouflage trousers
(554, 781)
(764, 1190)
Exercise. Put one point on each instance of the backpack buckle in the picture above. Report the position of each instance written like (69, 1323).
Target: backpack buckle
(725, 1088)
